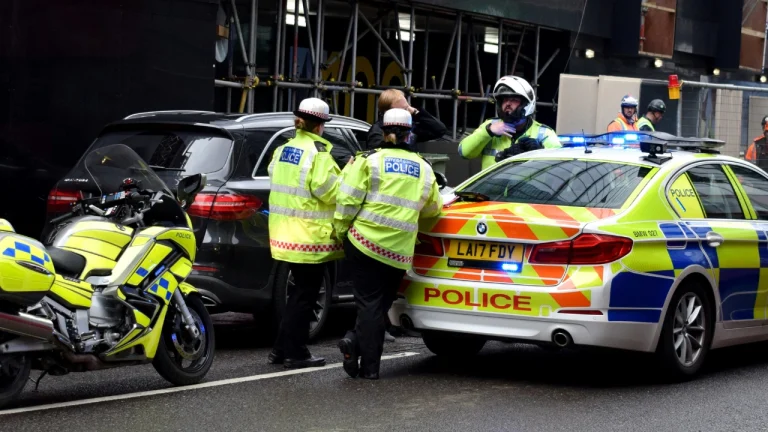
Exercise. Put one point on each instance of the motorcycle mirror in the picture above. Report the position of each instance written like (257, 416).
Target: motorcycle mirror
(442, 181)
(188, 187)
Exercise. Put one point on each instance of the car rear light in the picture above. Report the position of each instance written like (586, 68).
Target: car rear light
(224, 206)
(584, 249)
(429, 245)
(60, 200)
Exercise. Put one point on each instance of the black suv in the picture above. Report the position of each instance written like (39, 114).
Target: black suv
(234, 269)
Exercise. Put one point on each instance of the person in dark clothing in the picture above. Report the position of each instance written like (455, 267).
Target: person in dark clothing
(425, 126)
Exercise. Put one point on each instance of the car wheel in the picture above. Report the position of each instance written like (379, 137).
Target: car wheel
(284, 284)
(455, 345)
(687, 332)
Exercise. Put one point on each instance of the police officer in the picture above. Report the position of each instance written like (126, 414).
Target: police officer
(653, 116)
(757, 152)
(426, 126)
(626, 119)
(515, 131)
(385, 196)
(303, 186)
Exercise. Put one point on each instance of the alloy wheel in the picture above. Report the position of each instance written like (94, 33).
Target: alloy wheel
(688, 329)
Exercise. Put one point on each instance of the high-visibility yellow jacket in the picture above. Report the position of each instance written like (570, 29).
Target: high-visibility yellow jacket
(385, 196)
(480, 142)
(645, 122)
(303, 186)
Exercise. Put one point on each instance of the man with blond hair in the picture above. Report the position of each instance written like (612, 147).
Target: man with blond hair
(425, 126)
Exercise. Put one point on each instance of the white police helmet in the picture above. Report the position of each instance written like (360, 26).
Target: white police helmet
(313, 109)
(511, 85)
(397, 117)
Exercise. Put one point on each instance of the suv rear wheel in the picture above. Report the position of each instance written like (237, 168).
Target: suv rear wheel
(284, 280)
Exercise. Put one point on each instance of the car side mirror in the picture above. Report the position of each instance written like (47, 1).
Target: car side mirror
(442, 181)
(188, 187)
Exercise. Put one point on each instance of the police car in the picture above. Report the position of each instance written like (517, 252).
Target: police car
(638, 241)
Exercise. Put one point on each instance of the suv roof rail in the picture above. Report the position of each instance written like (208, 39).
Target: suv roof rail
(143, 114)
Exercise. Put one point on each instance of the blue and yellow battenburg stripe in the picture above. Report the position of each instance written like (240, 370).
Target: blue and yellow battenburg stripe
(25, 252)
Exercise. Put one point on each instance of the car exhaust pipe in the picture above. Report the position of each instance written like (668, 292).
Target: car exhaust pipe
(23, 324)
(562, 338)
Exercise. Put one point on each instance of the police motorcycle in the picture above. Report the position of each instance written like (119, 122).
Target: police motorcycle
(137, 311)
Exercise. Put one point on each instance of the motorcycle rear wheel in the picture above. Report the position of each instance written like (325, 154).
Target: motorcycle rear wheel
(176, 346)
(14, 374)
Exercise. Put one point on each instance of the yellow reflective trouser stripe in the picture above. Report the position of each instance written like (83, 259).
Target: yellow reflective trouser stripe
(290, 190)
(386, 221)
(325, 187)
(304, 214)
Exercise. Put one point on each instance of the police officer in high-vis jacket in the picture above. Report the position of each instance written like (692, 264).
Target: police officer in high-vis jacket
(515, 131)
(385, 196)
(303, 186)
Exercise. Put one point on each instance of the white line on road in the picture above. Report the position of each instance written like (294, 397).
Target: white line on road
(187, 388)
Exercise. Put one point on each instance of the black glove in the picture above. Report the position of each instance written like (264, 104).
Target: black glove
(529, 144)
(508, 152)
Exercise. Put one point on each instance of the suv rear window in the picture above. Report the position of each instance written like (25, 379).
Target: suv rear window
(576, 183)
(189, 151)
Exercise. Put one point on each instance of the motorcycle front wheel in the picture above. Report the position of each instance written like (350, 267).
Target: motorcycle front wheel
(182, 359)
(14, 373)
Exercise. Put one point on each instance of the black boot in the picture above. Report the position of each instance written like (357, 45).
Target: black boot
(348, 348)
(310, 361)
(275, 357)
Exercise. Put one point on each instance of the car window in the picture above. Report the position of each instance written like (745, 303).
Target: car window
(262, 169)
(576, 183)
(756, 187)
(715, 192)
(191, 151)
(341, 150)
(361, 137)
(683, 198)
(253, 147)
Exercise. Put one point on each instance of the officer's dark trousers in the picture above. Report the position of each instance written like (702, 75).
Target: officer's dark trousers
(375, 286)
(293, 335)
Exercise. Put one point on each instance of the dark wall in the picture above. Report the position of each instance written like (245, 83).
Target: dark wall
(71, 66)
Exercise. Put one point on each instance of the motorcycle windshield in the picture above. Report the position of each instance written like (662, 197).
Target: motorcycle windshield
(111, 165)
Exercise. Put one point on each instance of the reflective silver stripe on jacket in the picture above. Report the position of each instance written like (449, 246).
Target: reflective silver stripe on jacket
(389, 199)
(352, 191)
(303, 214)
(427, 189)
(306, 166)
(388, 222)
(432, 208)
(290, 190)
(346, 210)
(325, 187)
(490, 151)
(374, 160)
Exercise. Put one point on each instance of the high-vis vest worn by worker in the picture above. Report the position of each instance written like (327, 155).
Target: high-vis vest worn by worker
(302, 198)
(385, 196)
(481, 142)
(645, 122)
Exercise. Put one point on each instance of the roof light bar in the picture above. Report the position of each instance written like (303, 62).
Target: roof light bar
(644, 139)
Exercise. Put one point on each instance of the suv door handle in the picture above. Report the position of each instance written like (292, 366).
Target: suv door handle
(714, 239)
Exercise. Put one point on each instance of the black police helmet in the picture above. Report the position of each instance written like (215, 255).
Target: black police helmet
(657, 105)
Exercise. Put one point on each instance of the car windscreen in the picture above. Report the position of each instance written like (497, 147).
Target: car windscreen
(576, 183)
(185, 151)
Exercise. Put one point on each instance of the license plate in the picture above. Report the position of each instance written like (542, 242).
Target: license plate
(486, 251)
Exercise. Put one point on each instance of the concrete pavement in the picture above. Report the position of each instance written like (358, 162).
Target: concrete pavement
(507, 387)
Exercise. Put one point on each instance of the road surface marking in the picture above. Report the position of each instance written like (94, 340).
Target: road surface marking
(218, 383)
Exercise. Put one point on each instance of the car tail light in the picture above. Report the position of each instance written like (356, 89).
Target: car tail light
(429, 245)
(60, 200)
(584, 249)
(224, 206)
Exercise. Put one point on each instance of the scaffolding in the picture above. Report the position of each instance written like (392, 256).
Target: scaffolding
(462, 36)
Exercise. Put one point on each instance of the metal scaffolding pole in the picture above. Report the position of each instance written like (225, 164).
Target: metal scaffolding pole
(305, 4)
(230, 65)
(546, 65)
(252, 53)
(354, 61)
(410, 51)
(536, 63)
(456, 76)
(381, 39)
(450, 49)
(295, 56)
(281, 50)
(275, 94)
(469, 43)
(399, 39)
(500, 44)
(378, 74)
(346, 45)
(317, 56)
(248, 68)
(517, 53)
(360, 36)
(426, 61)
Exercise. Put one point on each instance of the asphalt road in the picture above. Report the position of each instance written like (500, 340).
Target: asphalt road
(507, 387)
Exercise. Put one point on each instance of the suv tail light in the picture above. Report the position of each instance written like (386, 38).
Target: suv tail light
(429, 246)
(60, 200)
(584, 249)
(224, 206)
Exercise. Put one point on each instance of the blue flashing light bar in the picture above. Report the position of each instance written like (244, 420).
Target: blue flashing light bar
(510, 267)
